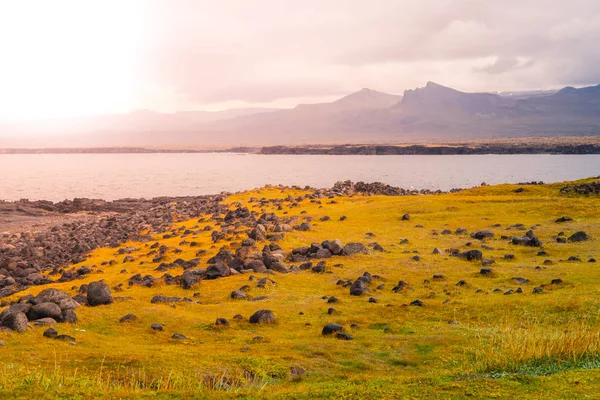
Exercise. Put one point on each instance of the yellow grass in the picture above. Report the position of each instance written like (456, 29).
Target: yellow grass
(502, 346)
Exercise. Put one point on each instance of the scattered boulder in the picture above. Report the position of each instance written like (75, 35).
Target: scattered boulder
(128, 318)
(16, 321)
(331, 328)
(564, 219)
(481, 235)
(354, 248)
(262, 317)
(579, 237)
(50, 333)
(98, 293)
(358, 288)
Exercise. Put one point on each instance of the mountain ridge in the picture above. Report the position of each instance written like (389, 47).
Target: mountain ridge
(430, 113)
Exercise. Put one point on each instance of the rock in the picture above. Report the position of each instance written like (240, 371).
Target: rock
(238, 295)
(334, 246)
(537, 290)
(262, 317)
(528, 240)
(222, 322)
(258, 233)
(128, 318)
(331, 328)
(405, 217)
(358, 288)
(164, 299)
(482, 234)
(303, 227)
(217, 270)
(191, 277)
(69, 316)
(343, 336)
(354, 248)
(156, 327)
(579, 237)
(521, 280)
(44, 322)
(58, 297)
(323, 253)
(50, 333)
(471, 255)
(65, 338)
(45, 310)
(257, 266)
(556, 281)
(417, 303)
(178, 336)
(564, 219)
(438, 251)
(16, 321)
(98, 293)
(486, 271)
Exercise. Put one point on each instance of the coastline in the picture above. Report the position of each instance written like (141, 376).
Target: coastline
(574, 145)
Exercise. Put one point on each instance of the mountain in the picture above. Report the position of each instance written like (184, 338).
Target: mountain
(428, 114)
(438, 112)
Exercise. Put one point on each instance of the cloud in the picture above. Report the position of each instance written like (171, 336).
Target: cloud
(196, 53)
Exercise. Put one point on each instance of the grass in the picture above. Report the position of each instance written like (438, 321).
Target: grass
(526, 345)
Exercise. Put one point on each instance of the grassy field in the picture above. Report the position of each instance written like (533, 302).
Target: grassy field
(465, 341)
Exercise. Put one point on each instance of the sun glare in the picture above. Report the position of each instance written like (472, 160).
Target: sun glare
(66, 58)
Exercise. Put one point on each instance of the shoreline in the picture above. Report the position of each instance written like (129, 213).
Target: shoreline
(574, 145)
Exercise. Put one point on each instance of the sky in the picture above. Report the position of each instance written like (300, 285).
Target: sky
(65, 58)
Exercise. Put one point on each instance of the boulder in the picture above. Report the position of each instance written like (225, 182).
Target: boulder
(334, 246)
(45, 310)
(331, 328)
(262, 317)
(579, 237)
(472, 255)
(16, 321)
(482, 234)
(358, 288)
(98, 293)
(354, 248)
(217, 270)
(191, 277)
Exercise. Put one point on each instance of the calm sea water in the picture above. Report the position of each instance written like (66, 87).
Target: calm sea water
(111, 176)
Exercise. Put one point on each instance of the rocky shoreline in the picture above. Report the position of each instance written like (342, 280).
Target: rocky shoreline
(37, 236)
(441, 150)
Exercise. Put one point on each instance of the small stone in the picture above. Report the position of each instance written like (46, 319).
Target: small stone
(156, 327)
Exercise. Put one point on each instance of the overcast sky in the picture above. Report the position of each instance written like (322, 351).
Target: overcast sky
(76, 56)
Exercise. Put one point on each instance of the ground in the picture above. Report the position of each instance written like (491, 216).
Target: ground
(461, 343)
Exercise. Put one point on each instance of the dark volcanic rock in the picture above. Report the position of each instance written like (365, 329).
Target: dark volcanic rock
(45, 310)
(331, 328)
(354, 248)
(16, 321)
(98, 293)
(262, 317)
(579, 237)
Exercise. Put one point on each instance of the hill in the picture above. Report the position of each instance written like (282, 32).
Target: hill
(486, 291)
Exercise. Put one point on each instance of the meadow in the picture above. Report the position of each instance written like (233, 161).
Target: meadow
(476, 339)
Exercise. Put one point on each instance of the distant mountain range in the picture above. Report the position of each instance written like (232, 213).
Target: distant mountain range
(433, 113)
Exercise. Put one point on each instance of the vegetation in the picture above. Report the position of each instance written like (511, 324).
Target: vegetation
(460, 343)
